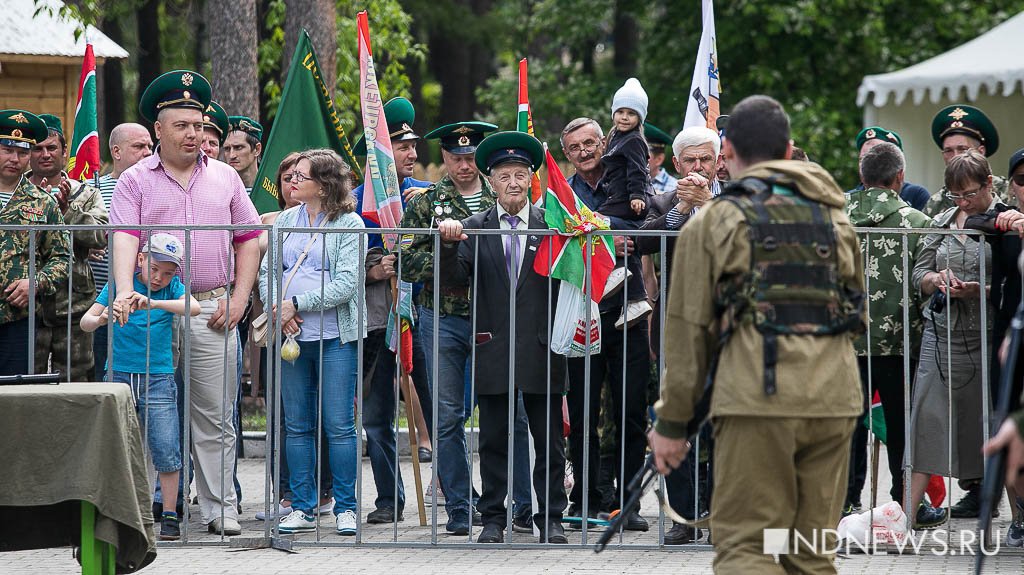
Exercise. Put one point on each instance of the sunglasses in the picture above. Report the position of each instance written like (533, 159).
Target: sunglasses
(1018, 179)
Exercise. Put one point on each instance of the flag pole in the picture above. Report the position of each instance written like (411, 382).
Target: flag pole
(411, 407)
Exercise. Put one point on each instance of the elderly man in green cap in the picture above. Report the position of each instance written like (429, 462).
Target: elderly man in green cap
(181, 185)
(956, 129)
(657, 141)
(80, 204)
(461, 193)
(242, 148)
(24, 204)
(215, 129)
(505, 267)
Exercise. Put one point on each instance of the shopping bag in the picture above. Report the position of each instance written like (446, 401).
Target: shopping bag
(569, 332)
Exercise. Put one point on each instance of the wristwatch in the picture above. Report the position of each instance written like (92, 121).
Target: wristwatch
(295, 302)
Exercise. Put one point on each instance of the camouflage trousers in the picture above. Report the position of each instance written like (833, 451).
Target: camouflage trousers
(52, 351)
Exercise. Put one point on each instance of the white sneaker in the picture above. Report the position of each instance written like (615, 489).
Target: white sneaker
(347, 523)
(282, 511)
(615, 281)
(633, 314)
(297, 522)
(326, 507)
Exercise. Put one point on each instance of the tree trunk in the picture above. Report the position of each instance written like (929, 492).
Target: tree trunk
(110, 87)
(461, 64)
(232, 27)
(626, 36)
(317, 17)
(149, 62)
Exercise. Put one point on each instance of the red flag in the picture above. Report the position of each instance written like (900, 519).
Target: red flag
(84, 159)
(525, 124)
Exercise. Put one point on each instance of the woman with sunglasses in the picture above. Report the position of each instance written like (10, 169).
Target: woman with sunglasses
(947, 405)
(323, 309)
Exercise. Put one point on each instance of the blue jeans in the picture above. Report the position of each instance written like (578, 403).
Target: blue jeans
(156, 403)
(453, 348)
(521, 500)
(299, 390)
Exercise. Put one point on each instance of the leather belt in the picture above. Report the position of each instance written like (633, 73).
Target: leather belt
(211, 294)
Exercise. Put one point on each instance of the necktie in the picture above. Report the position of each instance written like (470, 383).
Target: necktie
(512, 248)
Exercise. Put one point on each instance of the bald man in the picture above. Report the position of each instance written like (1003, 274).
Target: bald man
(128, 143)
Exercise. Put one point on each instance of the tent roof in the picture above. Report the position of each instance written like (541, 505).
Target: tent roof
(44, 34)
(988, 60)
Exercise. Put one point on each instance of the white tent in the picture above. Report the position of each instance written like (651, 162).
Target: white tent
(987, 72)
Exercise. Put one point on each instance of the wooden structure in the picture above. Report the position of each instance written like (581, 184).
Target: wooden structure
(41, 61)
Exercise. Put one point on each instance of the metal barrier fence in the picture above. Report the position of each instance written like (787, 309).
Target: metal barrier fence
(446, 332)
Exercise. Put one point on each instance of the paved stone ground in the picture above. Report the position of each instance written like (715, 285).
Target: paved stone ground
(410, 548)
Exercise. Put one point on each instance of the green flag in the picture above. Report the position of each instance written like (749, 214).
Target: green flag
(305, 119)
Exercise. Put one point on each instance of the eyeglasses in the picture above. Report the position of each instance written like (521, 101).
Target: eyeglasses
(1018, 180)
(955, 151)
(296, 178)
(585, 146)
(964, 197)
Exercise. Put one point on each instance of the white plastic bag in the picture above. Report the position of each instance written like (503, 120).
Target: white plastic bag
(569, 332)
(887, 525)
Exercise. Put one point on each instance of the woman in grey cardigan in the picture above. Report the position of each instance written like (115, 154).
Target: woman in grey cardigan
(947, 404)
(321, 308)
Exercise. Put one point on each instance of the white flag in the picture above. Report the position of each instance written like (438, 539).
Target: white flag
(702, 104)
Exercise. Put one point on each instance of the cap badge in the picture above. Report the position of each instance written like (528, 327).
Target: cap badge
(16, 133)
(206, 119)
(463, 130)
(869, 134)
(891, 136)
(186, 79)
(405, 126)
(958, 114)
(245, 125)
(19, 118)
(463, 140)
(186, 95)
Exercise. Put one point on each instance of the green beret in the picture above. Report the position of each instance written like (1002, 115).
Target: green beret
(52, 123)
(504, 147)
(175, 89)
(21, 129)
(966, 120)
(401, 115)
(247, 125)
(215, 118)
(656, 138)
(878, 133)
(461, 137)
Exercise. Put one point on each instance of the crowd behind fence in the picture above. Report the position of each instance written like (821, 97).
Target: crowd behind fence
(613, 452)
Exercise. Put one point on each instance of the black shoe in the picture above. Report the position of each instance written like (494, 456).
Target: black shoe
(967, 507)
(577, 511)
(523, 523)
(492, 533)
(170, 530)
(553, 534)
(681, 534)
(383, 515)
(477, 519)
(426, 455)
(929, 517)
(458, 522)
(635, 523)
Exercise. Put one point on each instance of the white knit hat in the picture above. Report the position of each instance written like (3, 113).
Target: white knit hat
(631, 95)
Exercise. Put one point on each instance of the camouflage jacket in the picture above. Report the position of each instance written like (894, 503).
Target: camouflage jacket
(441, 201)
(85, 208)
(939, 203)
(884, 275)
(31, 206)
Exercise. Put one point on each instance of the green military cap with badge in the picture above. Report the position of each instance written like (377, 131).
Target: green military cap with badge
(247, 125)
(505, 147)
(216, 118)
(878, 133)
(461, 137)
(175, 89)
(966, 120)
(21, 129)
(53, 123)
(657, 140)
(400, 115)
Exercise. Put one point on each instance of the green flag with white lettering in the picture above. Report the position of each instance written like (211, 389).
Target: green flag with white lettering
(306, 119)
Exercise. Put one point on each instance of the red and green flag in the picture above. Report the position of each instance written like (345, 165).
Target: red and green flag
(84, 160)
(564, 256)
(525, 124)
(382, 196)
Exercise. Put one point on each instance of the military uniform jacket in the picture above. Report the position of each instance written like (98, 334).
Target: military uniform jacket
(492, 307)
(817, 376)
(441, 201)
(85, 208)
(884, 275)
(939, 203)
(31, 206)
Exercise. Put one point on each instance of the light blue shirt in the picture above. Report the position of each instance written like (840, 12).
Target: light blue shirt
(144, 326)
(313, 274)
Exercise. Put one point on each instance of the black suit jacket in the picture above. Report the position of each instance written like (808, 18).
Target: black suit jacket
(660, 206)
(533, 315)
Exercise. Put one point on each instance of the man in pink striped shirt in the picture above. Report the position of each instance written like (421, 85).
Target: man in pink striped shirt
(180, 185)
